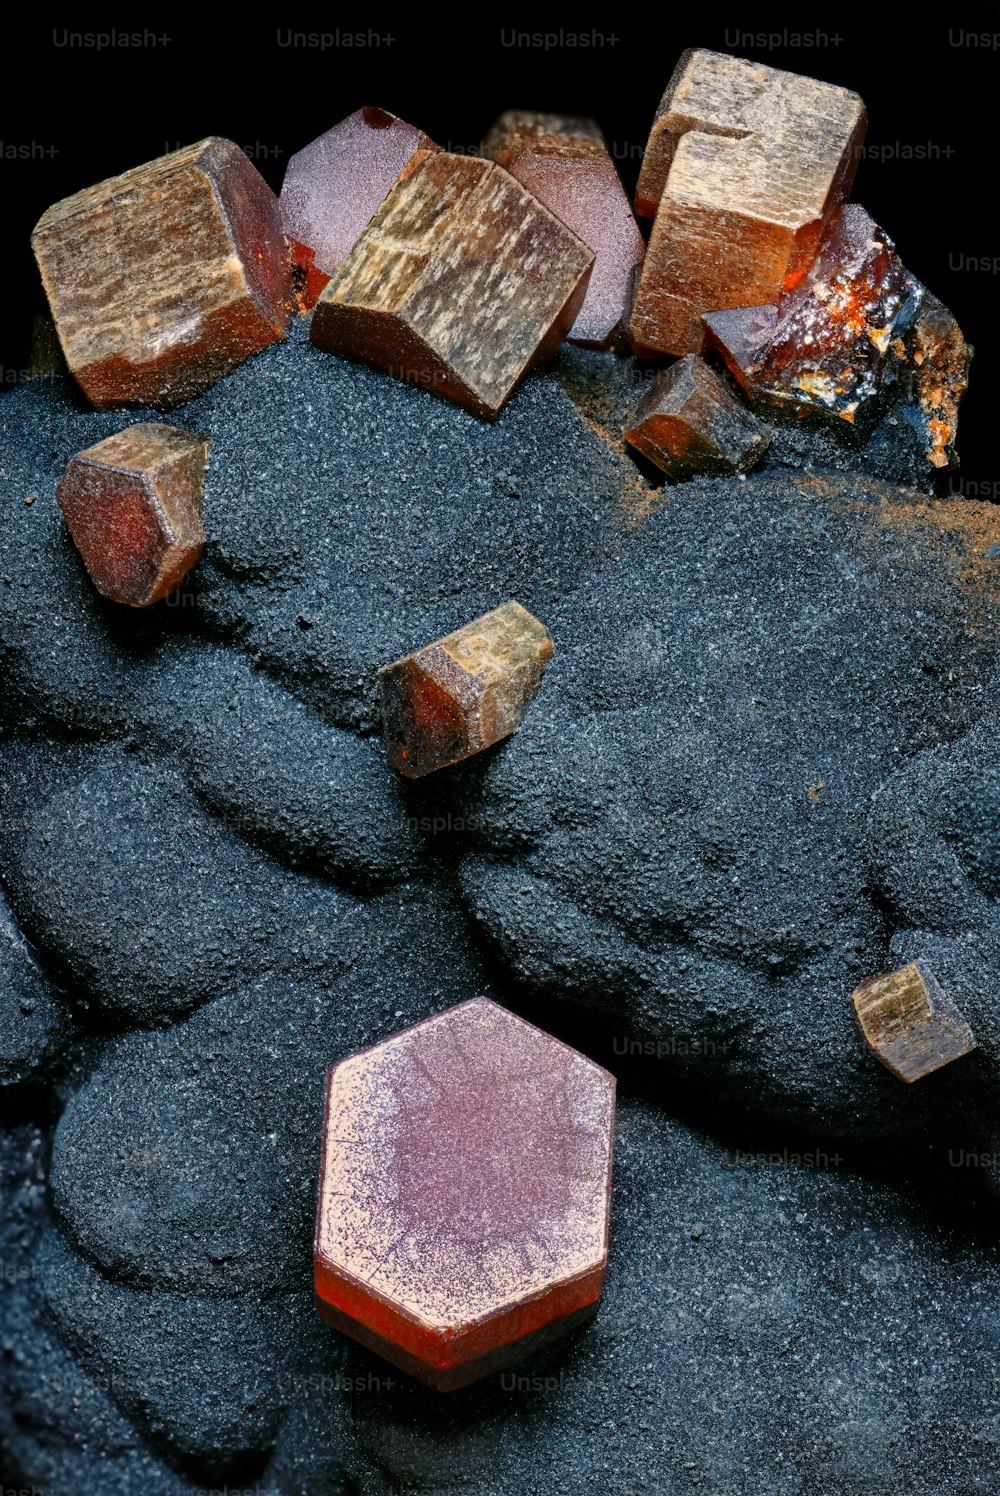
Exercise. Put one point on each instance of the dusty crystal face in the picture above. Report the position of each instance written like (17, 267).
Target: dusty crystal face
(461, 283)
(688, 422)
(744, 165)
(461, 694)
(565, 163)
(935, 379)
(133, 507)
(909, 1023)
(334, 186)
(835, 345)
(164, 279)
(464, 1193)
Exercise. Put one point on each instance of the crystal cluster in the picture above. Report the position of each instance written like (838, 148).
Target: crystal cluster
(835, 343)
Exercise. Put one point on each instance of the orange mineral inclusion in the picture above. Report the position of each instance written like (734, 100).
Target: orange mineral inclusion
(464, 1193)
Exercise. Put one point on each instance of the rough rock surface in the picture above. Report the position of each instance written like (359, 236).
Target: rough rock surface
(758, 767)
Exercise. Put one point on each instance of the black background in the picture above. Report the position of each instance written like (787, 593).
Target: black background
(930, 174)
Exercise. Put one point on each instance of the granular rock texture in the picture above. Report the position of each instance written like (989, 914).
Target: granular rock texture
(758, 769)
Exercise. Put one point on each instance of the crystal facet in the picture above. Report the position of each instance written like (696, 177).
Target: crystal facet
(464, 692)
(835, 345)
(909, 1024)
(688, 422)
(565, 163)
(334, 186)
(744, 165)
(464, 1192)
(164, 279)
(461, 283)
(133, 507)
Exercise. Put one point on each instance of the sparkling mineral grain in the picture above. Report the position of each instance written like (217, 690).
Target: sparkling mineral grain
(688, 422)
(133, 507)
(333, 187)
(459, 695)
(461, 283)
(162, 280)
(909, 1024)
(936, 378)
(464, 1192)
(565, 163)
(744, 165)
(835, 345)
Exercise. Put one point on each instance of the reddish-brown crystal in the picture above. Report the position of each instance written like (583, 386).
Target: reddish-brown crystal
(164, 279)
(835, 345)
(688, 422)
(133, 507)
(461, 694)
(564, 162)
(461, 283)
(744, 165)
(464, 1192)
(334, 186)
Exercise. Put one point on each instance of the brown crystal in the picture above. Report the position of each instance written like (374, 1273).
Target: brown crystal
(459, 695)
(564, 162)
(744, 165)
(461, 283)
(464, 1193)
(688, 422)
(164, 279)
(909, 1024)
(835, 345)
(334, 185)
(133, 507)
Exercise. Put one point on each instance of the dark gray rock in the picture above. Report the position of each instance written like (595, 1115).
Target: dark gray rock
(145, 901)
(774, 1323)
(35, 1024)
(677, 833)
(189, 1157)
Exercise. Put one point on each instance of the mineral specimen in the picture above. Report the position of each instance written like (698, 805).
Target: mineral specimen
(461, 283)
(565, 164)
(935, 379)
(688, 422)
(133, 507)
(834, 346)
(334, 185)
(162, 280)
(744, 165)
(909, 1024)
(464, 1192)
(464, 692)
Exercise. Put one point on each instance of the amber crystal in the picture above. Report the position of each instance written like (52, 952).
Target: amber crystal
(334, 185)
(162, 280)
(744, 165)
(564, 162)
(909, 1023)
(133, 507)
(464, 692)
(689, 422)
(461, 283)
(835, 345)
(464, 1193)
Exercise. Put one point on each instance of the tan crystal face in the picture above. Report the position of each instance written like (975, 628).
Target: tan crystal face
(467, 1166)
